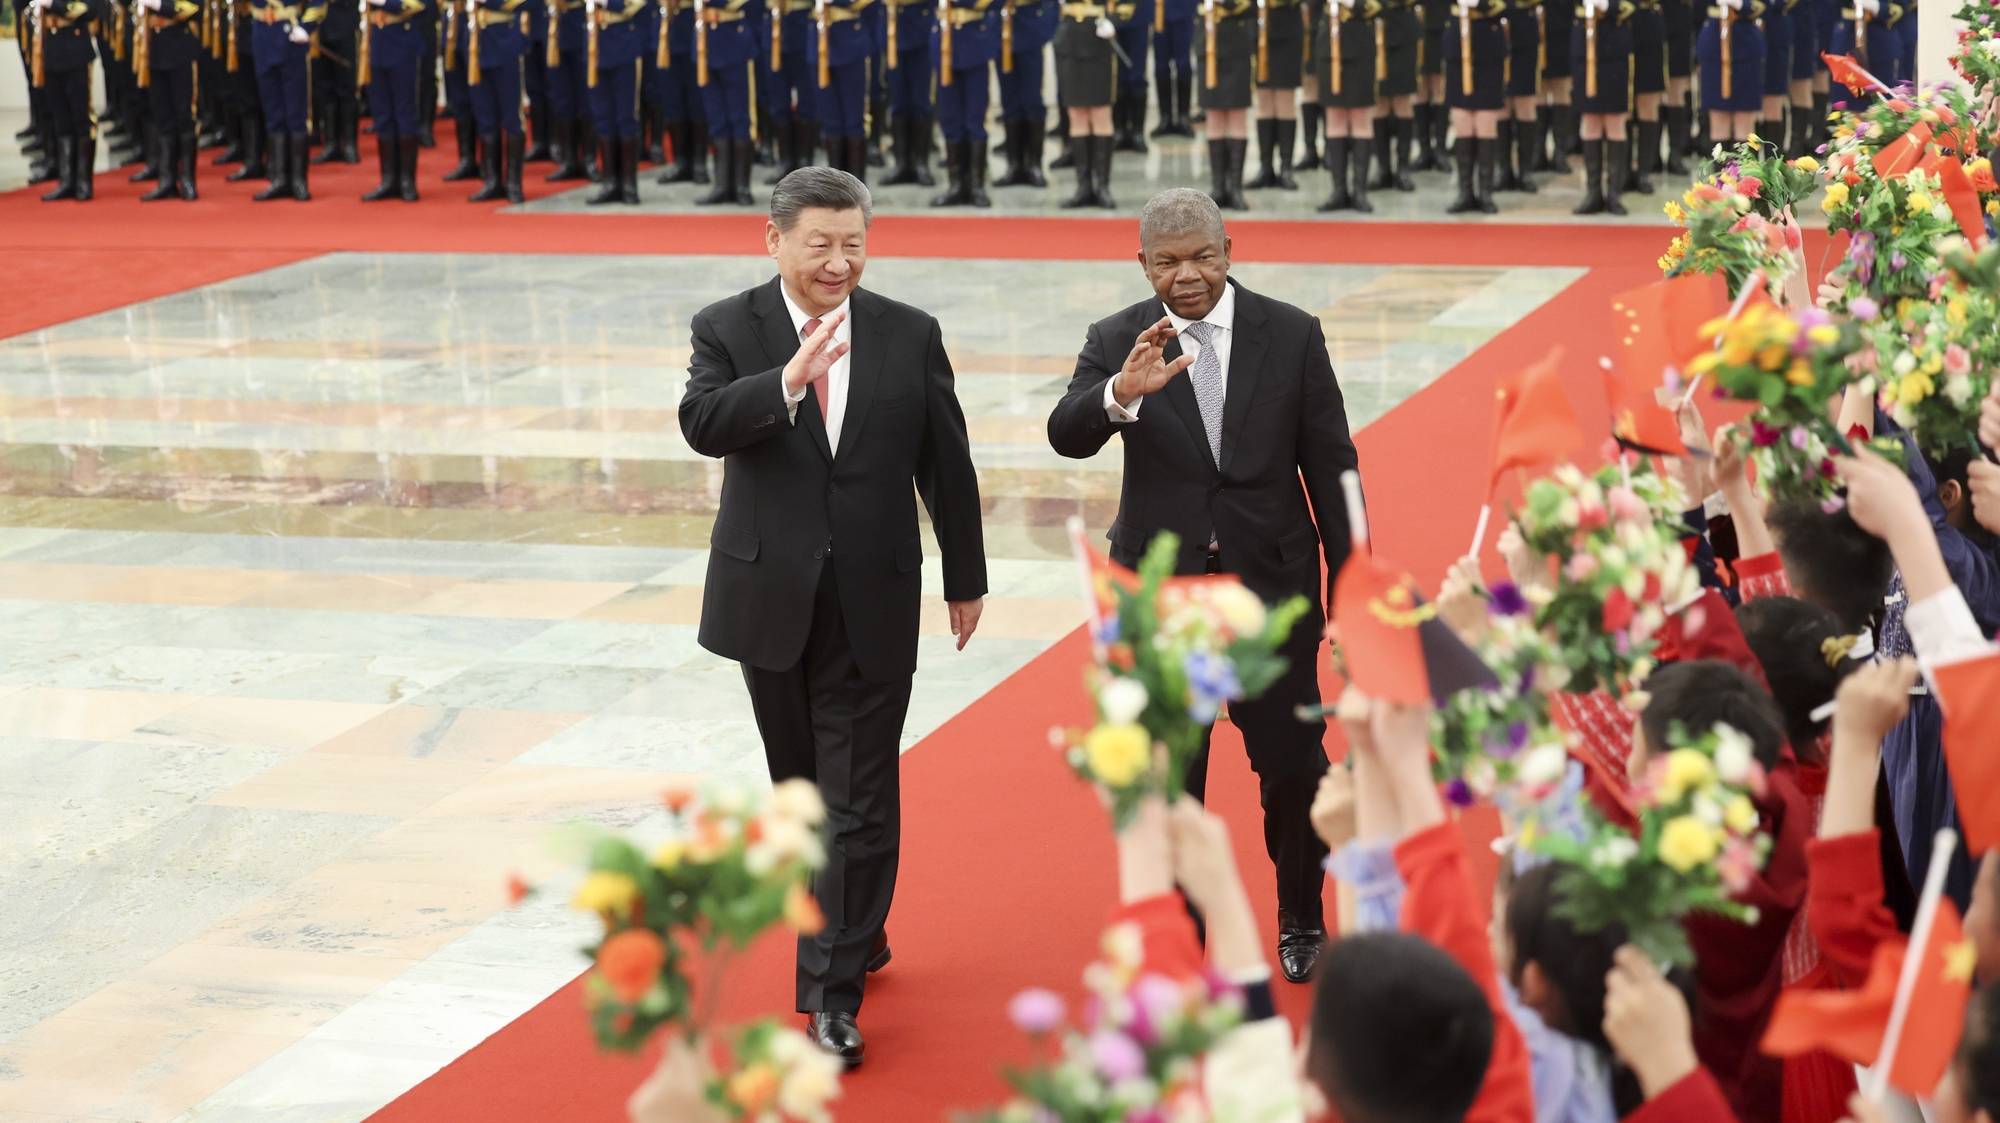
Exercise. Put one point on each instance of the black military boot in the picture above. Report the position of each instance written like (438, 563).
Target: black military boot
(1405, 128)
(388, 154)
(923, 136)
(538, 123)
(680, 166)
(280, 162)
(301, 187)
(957, 170)
(86, 169)
(878, 124)
(468, 151)
(1218, 172)
(1618, 154)
(156, 157)
(1338, 199)
(515, 153)
(1504, 178)
(1267, 147)
(1646, 161)
(1593, 179)
(1086, 174)
(787, 140)
(329, 148)
(254, 166)
(1163, 96)
(1678, 122)
(698, 151)
(1527, 147)
(722, 192)
(569, 166)
(167, 162)
(1100, 178)
(740, 178)
(609, 189)
(187, 154)
(233, 153)
(406, 168)
(1363, 151)
(65, 164)
(1379, 148)
(489, 170)
(1315, 127)
(1488, 155)
(1010, 148)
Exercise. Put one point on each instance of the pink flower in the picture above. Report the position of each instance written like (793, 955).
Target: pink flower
(1117, 1057)
(1627, 507)
(1581, 568)
(1036, 1011)
(1590, 517)
(1737, 865)
(1863, 308)
(1749, 186)
(1794, 237)
(1956, 360)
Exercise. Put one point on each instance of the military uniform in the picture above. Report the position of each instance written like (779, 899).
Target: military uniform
(680, 99)
(1086, 76)
(395, 51)
(614, 96)
(1235, 50)
(1173, 75)
(1402, 32)
(239, 61)
(496, 94)
(789, 87)
(1872, 38)
(282, 43)
(452, 23)
(1475, 81)
(906, 64)
(843, 101)
(171, 50)
(565, 58)
(1523, 83)
(1347, 82)
(1602, 55)
(67, 52)
(1132, 21)
(1028, 26)
(963, 45)
(731, 34)
(535, 80)
(1732, 55)
(1281, 68)
(335, 99)
(1648, 26)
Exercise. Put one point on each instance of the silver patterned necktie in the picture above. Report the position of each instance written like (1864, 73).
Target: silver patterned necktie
(1206, 378)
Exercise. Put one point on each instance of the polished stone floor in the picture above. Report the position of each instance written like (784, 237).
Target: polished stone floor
(328, 591)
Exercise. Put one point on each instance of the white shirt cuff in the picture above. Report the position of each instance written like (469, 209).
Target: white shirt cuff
(1943, 630)
(1119, 415)
(792, 402)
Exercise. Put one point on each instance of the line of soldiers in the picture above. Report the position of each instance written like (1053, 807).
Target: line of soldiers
(1495, 90)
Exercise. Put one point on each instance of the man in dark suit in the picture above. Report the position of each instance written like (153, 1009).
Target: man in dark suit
(1238, 450)
(813, 572)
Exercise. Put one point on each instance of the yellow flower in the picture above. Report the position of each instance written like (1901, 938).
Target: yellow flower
(670, 853)
(1674, 211)
(1824, 334)
(1704, 362)
(1918, 203)
(1806, 164)
(1914, 388)
(606, 892)
(1117, 753)
(1687, 842)
(1954, 311)
(754, 1090)
(1799, 373)
(1754, 141)
(1686, 769)
(1836, 197)
(1993, 208)
(1740, 816)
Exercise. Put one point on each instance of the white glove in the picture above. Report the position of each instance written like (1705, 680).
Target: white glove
(1871, 7)
(1602, 6)
(299, 35)
(378, 3)
(1105, 30)
(1468, 5)
(42, 5)
(150, 5)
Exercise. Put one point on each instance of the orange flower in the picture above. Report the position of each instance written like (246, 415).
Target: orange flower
(517, 889)
(630, 962)
(802, 912)
(1706, 193)
(677, 798)
(754, 1090)
(1120, 656)
(1982, 177)
(1945, 116)
(753, 832)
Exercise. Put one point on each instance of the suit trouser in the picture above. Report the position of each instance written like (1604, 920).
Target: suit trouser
(1289, 757)
(1173, 48)
(823, 721)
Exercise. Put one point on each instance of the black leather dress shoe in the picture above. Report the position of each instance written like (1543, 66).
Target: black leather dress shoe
(879, 955)
(837, 1034)
(1298, 949)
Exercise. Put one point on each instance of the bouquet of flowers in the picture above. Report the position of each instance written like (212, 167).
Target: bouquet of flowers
(1725, 232)
(1489, 739)
(1699, 844)
(1135, 1058)
(1614, 543)
(1791, 365)
(1977, 58)
(1896, 220)
(732, 863)
(1937, 356)
(1169, 652)
(1761, 174)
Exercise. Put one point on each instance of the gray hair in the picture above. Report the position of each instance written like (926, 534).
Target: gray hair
(1179, 210)
(815, 186)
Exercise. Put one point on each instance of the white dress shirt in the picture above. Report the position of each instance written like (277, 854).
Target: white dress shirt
(836, 375)
(1222, 317)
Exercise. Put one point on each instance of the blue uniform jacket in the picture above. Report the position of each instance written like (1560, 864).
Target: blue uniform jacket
(501, 42)
(849, 40)
(271, 42)
(398, 40)
(173, 44)
(623, 35)
(1035, 24)
(974, 44)
(734, 42)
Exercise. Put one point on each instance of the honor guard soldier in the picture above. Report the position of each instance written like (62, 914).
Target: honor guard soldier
(495, 41)
(1433, 115)
(62, 51)
(877, 19)
(452, 23)
(1677, 110)
(680, 99)
(1868, 31)
(652, 118)
(394, 49)
(1027, 29)
(1554, 116)
(1804, 18)
(126, 125)
(1475, 89)
(535, 82)
(906, 61)
(1084, 80)
(1280, 63)
(1524, 93)
(723, 56)
(614, 35)
(966, 42)
(1225, 62)
(166, 30)
(1173, 59)
(1602, 49)
(1777, 28)
(1649, 87)
(239, 63)
(1133, 21)
(1402, 33)
(838, 49)
(336, 105)
(790, 85)
(281, 43)
(1347, 85)
(565, 56)
(1731, 57)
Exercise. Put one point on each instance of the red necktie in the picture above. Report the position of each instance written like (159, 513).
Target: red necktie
(818, 384)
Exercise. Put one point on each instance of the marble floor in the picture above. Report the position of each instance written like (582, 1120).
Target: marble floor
(329, 592)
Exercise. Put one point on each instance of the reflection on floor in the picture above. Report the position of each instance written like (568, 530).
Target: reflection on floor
(328, 591)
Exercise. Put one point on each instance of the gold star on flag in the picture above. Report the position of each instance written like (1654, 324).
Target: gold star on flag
(1959, 960)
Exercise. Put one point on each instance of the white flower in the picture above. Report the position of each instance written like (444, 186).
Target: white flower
(1958, 388)
(799, 801)
(1124, 945)
(810, 1077)
(1904, 415)
(1568, 514)
(784, 840)
(1543, 766)
(1242, 613)
(1614, 852)
(731, 800)
(1733, 756)
(1905, 363)
(1708, 810)
(1122, 700)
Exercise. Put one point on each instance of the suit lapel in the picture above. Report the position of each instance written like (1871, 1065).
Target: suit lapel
(780, 342)
(1246, 360)
(1180, 394)
(864, 366)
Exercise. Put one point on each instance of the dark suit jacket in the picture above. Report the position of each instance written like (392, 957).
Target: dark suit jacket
(790, 503)
(1282, 423)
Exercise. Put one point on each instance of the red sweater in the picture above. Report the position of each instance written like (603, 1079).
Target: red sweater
(1695, 1099)
(1844, 904)
(1440, 906)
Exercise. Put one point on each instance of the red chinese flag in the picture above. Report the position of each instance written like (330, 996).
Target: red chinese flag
(1533, 423)
(1395, 647)
(1969, 694)
(1851, 1024)
(1659, 326)
(1960, 195)
(1899, 156)
(1844, 70)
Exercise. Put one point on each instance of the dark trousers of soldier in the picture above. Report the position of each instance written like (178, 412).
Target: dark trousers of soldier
(66, 98)
(614, 102)
(792, 88)
(427, 77)
(842, 104)
(333, 83)
(170, 98)
(726, 99)
(169, 95)
(569, 83)
(1173, 80)
(1021, 89)
(680, 98)
(496, 101)
(962, 106)
(124, 103)
(535, 86)
(284, 93)
(392, 100)
(910, 82)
